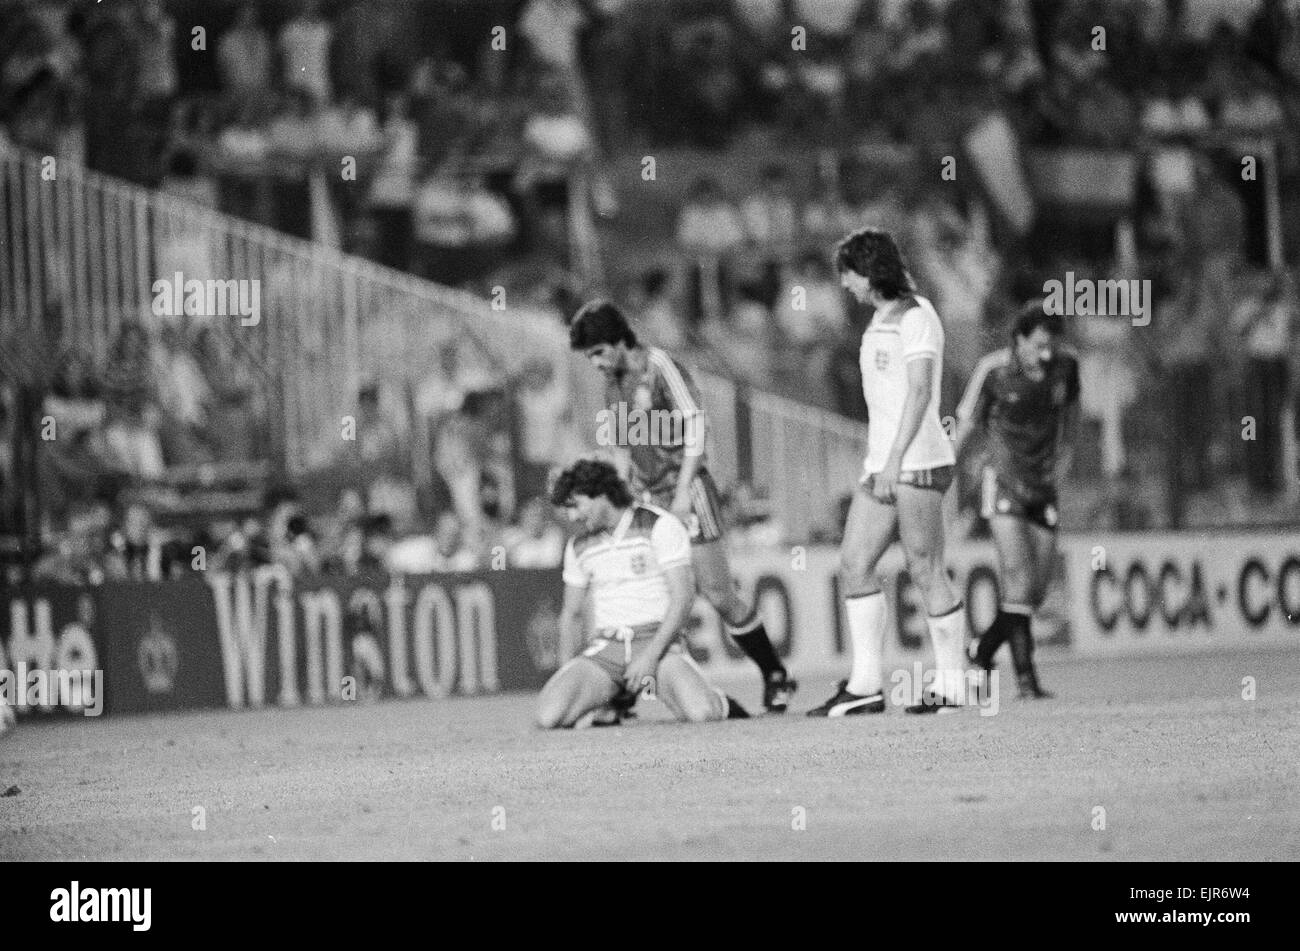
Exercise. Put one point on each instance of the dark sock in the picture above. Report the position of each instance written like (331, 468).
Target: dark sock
(759, 649)
(1022, 644)
(992, 639)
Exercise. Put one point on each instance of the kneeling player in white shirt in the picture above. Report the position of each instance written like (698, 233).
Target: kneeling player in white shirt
(635, 560)
(908, 468)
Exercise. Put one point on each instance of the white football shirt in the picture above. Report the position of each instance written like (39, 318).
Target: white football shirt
(888, 345)
(625, 568)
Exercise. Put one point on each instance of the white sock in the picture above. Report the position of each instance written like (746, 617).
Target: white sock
(948, 638)
(867, 615)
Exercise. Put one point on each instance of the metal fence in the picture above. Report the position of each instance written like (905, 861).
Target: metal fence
(81, 256)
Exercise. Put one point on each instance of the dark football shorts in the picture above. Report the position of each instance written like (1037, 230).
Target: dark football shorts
(997, 498)
(938, 478)
(705, 523)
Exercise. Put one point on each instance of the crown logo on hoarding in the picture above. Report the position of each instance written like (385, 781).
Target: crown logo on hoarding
(158, 658)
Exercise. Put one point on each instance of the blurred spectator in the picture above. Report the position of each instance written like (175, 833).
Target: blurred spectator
(455, 217)
(1265, 320)
(378, 431)
(659, 315)
(183, 396)
(558, 148)
(1108, 384)
(235, 411)
(705, 67)
(810, 314)
(1103, 116)
(343, 538)
(494, 505)
(551, 28)
(831, 19)
(155, 33)
(543, 413)
(131, 421)
(868, 50)
(920, 40)
(749, 513)
(286, 539)
(772, 224)
(1188, 329)
(709, 231)
(348, 127)
(245, 138)
(1170, 111)
(741, 342)
(392, 190)
(304, 45)
(538, 542)
(244, 57)
(1249, 106)
(294, 129)
(444, 550)
(376, 542)
(1121, 508)
(79, 554)
(1266, 33)
(135, 547)
(452, 552)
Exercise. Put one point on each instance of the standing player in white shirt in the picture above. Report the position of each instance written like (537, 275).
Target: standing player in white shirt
(909, 466)
(635, 559)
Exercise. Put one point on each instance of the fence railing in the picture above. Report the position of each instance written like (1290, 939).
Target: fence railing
(81, 255)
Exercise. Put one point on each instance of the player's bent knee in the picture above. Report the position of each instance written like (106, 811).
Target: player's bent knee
(553, 711)
(703, 709)
(551, 717)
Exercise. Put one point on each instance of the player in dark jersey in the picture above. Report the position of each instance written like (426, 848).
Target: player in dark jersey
(1025, 398)
(655, 421)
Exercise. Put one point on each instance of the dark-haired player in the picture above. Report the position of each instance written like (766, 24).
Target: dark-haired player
(908, 468)
(667, 467)
(1025, 397)
(635, 560)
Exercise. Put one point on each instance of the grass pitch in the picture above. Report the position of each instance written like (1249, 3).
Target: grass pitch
(1183, 767)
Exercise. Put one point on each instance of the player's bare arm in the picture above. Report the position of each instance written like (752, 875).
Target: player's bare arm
(920, 372)
(966, 427)
(623, 462)
(681, 593)
(681, 507)
(572, 615)
(1065, 441)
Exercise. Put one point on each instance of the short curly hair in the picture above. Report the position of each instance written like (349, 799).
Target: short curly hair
(592, 478)
(873, 254)
(1034, 315)
(597, 322)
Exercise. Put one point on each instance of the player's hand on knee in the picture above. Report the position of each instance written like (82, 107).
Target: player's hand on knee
(640, 673)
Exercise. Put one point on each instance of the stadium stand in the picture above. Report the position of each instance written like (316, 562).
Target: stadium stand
(359, 165)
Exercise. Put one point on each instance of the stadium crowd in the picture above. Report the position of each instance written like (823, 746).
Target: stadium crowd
(482, 163)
